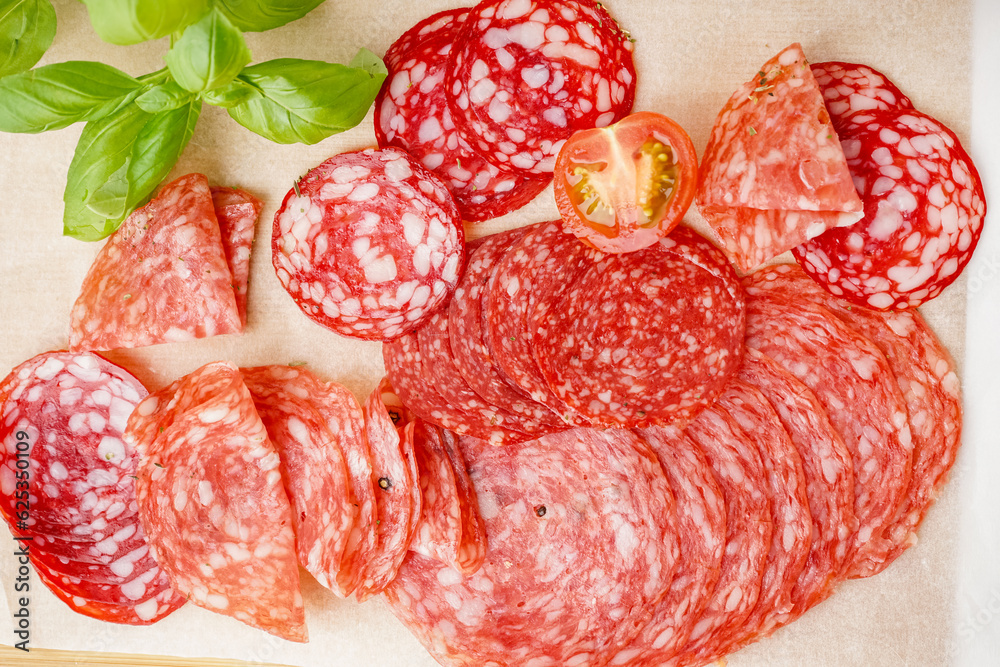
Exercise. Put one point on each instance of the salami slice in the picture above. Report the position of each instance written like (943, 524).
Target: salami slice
(740, 473)
(237, 212)
(161, 278)
(472, 546)
(582, 543)
(850, 90)
(312, 445)
(701, 525)
(210, 496)
(412, 113)
(829, 476)
(657, 357)
(369, 244)
(438, 534)
(527, 74)
(773, 174)
(929, 384)
(853, 381)
(924, 210)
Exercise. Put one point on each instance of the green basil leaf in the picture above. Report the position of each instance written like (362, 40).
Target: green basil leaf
(258, 15)
(27, 28)
(55, 96)
(164, 97)
(369, 62)
(237, 92)
(209, 54)
(157, 149)
(134, 21)
(305, 101)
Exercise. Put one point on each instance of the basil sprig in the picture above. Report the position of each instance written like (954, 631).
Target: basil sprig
(27, 28)
(134, 21)
(209, 54)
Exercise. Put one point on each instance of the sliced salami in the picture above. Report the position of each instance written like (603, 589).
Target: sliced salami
(923, 213)
(211, 498)
(312, 445)
(438, 534)
(582, 543)
(850, 90)
(161, 278)
(411, 112)
(237, 212)
(701, 526)
(472, 546)
(527, 74)
(853, 381)
(369, 244)
(773, 174)
(657, 357)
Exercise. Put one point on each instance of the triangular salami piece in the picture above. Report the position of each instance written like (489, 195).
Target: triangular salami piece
(773, 174)
(161, 278)
(237, 211)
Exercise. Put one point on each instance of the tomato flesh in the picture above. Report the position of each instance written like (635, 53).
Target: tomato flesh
(623, 187)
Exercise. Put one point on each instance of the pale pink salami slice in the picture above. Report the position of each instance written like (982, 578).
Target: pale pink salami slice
(312, 446)
(211, 499)
(369, 244)
(237, 212)
(529, 73)
(854, 382)
(701, 526)
(582, 538)
(829, 475)
(161, 278)
(924, 207)
(472, 545)
(851, 90)
(411, 112)
(657, 356)
(438, 534)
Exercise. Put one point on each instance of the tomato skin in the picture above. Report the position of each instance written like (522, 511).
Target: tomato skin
(608, 158)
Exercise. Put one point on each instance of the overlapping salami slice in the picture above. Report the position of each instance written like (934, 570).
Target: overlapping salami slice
(773, 174)
(161, 278)
(237, 212)
(211, 499)
(854, 382)
(310, 423)
(411, 112)
(528, 73)
(927, 379)
(850, 90)
(829, 476)
(658, 356)
(923, 213)
(369, 244)
(701, 526)
(582, 543)
(472, 547)
(438, 533)
(66, 484)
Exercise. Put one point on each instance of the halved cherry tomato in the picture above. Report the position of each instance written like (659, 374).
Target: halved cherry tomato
(623, 187)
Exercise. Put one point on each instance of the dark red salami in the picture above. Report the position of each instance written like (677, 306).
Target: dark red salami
(924, 210)
(369, 244)
(852, 90)
(656, 357)
(853, 381)
(582, 543)
(411, 112)
(161, 278)
(211, 498)
(237, 212)
(529, 73)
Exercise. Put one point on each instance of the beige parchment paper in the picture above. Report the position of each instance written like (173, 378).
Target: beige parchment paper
(690, 55)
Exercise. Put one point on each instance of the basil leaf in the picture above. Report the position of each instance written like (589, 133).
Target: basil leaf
(134, 21)
(163, 97)
(237, 92)
(209, 54)
(258, 15)
(55, 96)
(369, 62)
(305, 101)
(27, 28)
(157, 149)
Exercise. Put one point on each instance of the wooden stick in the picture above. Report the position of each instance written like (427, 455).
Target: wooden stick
(43, 657)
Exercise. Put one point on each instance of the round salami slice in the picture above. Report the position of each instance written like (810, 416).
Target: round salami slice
(411, 112)
(927, 379)
(125, 591)
(582, 543)
(124, 567)
(740, 473)
(924, 210)
(327, 506)
(369, 244)
(701, 525)
(529, 73)
(854, 382)
(829, 476)
(850, 89)
(657, 356)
